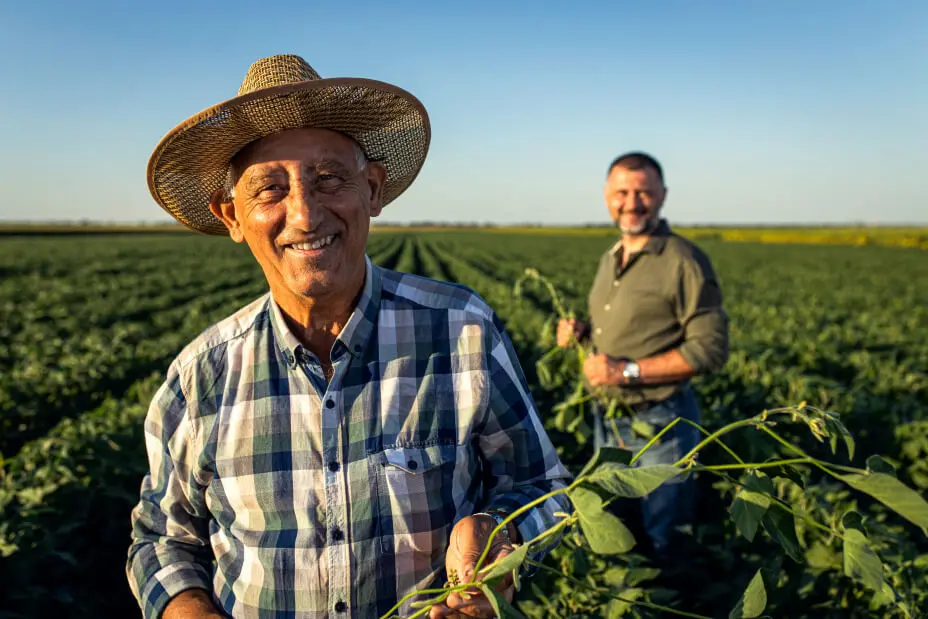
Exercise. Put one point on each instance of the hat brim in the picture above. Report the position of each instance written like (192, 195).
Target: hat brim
(191, 161)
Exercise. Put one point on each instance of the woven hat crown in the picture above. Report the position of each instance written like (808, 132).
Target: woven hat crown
(276, 71)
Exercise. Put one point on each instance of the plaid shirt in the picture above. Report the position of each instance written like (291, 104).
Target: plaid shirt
(290, 497)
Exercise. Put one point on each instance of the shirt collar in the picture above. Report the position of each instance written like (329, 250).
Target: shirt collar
(356, 332)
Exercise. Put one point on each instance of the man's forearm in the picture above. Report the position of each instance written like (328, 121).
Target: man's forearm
(668, 367)
(192, 604)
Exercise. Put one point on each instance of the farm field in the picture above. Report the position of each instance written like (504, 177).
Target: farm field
(88, 325)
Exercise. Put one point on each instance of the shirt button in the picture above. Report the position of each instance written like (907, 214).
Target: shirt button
(341, 607)
(330, 403)
(599, 330)
(607, 307)
(615, 284)
(413, 465)
(333, 466)
(337, 535)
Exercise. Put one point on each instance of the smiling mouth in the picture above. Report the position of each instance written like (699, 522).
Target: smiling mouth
(316, 245)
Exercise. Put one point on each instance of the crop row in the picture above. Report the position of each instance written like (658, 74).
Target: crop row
(81, 320)
(841, 328)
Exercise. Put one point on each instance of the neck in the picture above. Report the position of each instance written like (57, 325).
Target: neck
(317, 321)
(633, 244)
(635, 241)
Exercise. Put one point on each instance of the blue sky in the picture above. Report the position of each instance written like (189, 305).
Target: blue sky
(760, 112)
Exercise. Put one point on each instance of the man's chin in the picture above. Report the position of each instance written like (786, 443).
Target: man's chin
(639, 229)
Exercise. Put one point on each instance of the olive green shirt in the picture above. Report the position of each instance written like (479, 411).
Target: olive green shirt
(666, 297)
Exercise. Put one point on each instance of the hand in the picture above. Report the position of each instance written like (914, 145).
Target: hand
(568, 328)
(603, 370)
(468, 539)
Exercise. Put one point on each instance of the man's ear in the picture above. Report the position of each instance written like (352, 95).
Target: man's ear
(376, 177)
(224, 210)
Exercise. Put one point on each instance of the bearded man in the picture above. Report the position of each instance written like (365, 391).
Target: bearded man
(655, 321)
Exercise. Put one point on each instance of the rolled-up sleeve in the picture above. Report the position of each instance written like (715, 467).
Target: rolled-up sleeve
(522, 464)
(705, 324)
(169, 551)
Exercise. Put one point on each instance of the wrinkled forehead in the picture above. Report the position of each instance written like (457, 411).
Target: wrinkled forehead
(306, 146)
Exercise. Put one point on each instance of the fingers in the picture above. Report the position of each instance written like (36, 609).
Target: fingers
(476, 605)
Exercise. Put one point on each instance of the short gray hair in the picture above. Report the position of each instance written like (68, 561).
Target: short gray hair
(228, 185)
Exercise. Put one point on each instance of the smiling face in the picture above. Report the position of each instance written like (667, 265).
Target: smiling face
(634, 199)
(303, 201)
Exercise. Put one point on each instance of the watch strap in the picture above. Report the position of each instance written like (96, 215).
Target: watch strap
(499, 517)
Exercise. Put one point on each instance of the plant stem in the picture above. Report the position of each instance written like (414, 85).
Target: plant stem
(787, 507)
(719, 441)
(797, 450)
(411, 595)
(653, 440)
(616, 434)
(752, 465)
(712, 437)
(513, 515)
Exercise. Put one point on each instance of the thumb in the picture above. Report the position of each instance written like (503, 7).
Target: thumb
(469, 566)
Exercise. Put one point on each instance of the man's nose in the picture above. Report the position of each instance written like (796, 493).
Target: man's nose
(304, 212)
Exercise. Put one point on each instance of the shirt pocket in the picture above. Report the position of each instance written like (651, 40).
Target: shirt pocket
(417, 486)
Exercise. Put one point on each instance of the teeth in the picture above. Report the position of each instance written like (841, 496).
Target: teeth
(323, 242)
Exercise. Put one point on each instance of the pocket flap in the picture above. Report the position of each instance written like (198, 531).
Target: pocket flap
(418, 460)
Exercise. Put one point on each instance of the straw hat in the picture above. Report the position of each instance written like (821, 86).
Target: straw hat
(279, 93)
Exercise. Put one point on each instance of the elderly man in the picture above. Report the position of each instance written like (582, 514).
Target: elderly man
(656, 321)
(356, 432)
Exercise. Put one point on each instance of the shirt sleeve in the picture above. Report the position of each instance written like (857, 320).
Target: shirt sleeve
(521, 462)
(705, 324)
(169, 552)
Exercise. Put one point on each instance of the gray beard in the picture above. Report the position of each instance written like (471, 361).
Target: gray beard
(646, 226)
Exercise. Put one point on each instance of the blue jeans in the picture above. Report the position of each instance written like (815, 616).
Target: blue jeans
(672, 504)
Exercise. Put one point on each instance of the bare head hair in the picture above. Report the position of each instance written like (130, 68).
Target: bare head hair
(636, 161)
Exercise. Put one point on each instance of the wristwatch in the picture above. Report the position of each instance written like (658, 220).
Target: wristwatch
(631, 372)
(499, 517)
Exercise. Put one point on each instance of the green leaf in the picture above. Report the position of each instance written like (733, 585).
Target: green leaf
(752, 601)
(606, 533)
(821, 557)
(836, 428)
(606, 454)
(643, 428)
(893, 494)
(853, 520)
(579, 562)
(860, 562)
(877, 464)
(504, 610)
(509, 563)
(781, 527)
(620, 608)
(787, 471)
(751, 503)
(632, 482)
(638, 575)
(615, 576)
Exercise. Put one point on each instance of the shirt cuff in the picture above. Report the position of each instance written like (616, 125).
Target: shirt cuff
(170, 581)
(533, 523)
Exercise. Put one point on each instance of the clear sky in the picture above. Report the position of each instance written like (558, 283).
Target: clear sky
(773, 112)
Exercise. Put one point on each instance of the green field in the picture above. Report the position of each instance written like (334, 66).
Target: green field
(89, 323)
